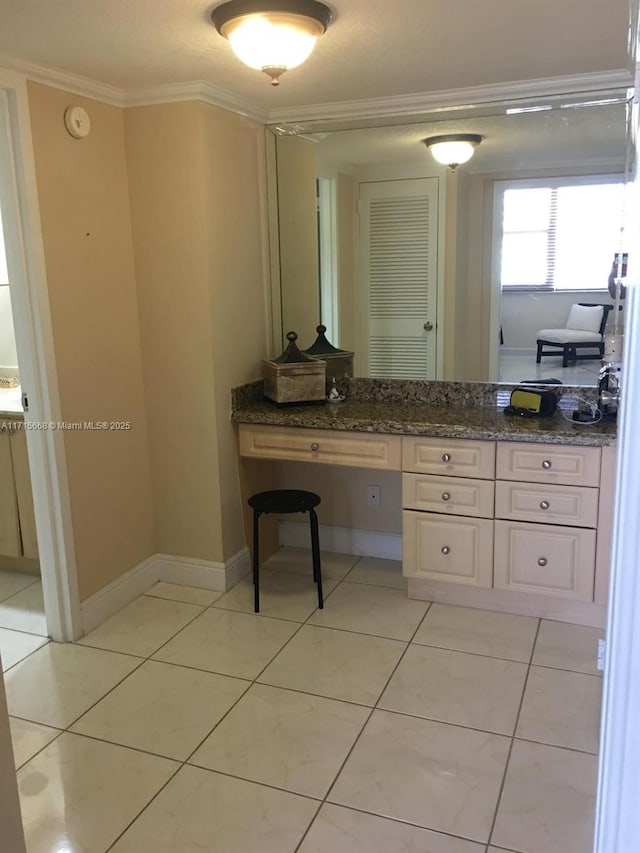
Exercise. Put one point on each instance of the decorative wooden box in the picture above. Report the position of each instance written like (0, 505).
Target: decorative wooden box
(339, 361)
(294, 377)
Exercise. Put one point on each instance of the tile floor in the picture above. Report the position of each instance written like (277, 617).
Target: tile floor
(515, 368)
(23, 626)
(187, 723)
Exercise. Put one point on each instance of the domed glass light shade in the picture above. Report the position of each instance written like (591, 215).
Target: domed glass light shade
(452, 149)
(272, 35)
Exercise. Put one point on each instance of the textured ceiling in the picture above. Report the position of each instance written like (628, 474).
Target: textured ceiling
(372, 48)
(580, 135)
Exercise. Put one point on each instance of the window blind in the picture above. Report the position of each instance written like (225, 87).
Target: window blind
(561, 234)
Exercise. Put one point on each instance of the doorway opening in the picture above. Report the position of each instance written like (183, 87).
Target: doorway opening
(21, 600)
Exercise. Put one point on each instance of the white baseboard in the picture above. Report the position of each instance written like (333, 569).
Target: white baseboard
(119, 593)
(344, 540)
(186, 571)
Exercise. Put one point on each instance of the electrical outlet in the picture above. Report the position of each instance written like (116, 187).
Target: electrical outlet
(374, 497)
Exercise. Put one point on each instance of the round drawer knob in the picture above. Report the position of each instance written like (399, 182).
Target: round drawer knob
(446, 496)
(315, 445)
(544, 504)
(446, 457)
(542, 561)
(546, 464)
(446, 550)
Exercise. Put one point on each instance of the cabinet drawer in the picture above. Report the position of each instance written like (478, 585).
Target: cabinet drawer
(544, 559)
(331, 447)
(449, 495)
(573, 466)
(453, 457)
(573, 505)
(442, 548)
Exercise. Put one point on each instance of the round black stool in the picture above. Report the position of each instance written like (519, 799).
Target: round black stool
(282, 502)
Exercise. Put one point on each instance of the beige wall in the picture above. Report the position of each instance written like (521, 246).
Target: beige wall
(238, 294)
(344, 496)
(196, 197)
(84, 207)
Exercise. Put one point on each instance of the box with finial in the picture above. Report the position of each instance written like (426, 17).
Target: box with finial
(294, 377)
(339, 361)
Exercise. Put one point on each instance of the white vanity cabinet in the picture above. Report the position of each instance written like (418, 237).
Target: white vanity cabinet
(522, 527)
(546, 519)
(17, 518)
(448, 493)
(508, 525)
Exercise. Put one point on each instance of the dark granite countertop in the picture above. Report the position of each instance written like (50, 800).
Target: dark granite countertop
(450, 410)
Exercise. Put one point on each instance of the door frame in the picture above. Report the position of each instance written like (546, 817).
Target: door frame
(36, 358)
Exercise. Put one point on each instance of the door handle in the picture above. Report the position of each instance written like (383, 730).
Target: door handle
(428, 326)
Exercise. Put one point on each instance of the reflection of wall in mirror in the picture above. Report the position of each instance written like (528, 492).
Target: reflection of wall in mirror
(296, 164)
(469, 310)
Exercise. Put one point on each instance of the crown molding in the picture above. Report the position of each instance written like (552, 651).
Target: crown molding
(399, 105)
(196, 90)
(394, 105)
(73, 83)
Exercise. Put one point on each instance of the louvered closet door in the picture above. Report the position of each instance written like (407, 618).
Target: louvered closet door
(398, 239)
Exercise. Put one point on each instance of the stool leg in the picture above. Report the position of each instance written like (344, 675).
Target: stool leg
(315, 552)
(256, 562)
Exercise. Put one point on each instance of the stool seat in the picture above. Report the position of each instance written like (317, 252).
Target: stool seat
(282, 502)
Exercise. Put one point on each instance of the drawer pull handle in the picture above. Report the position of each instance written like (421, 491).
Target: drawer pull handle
(446, 496)
(542, 561)
(315, 445)
(546, 464)
(544, 504)
(446, 550)
(446, 457)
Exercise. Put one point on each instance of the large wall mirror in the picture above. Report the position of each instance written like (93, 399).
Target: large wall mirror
(454, 300)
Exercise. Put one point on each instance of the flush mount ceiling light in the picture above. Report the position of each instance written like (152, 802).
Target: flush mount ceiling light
(272, 35)
(452, 149)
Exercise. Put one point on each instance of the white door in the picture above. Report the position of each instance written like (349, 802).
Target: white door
(399, 267)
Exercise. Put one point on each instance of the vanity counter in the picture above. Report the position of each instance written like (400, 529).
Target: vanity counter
(454, 419)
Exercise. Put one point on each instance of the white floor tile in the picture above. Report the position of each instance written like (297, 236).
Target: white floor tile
(371, 610)
(482, 632)
(188, 594)
(434, 775)
(283, 595)
(454, 687)
(377, 572)
(203, 811)
(16, 645)
(161, 708)
(337, 664)
(564, 646)
(548, 801)
(228, 643)
(340, 830)
(290, 740)
(298, 560)
(24, 611)
(79, 794)
(562, 709)
(29, 738)
(142, 627)
(60, 682)
(12, 582)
